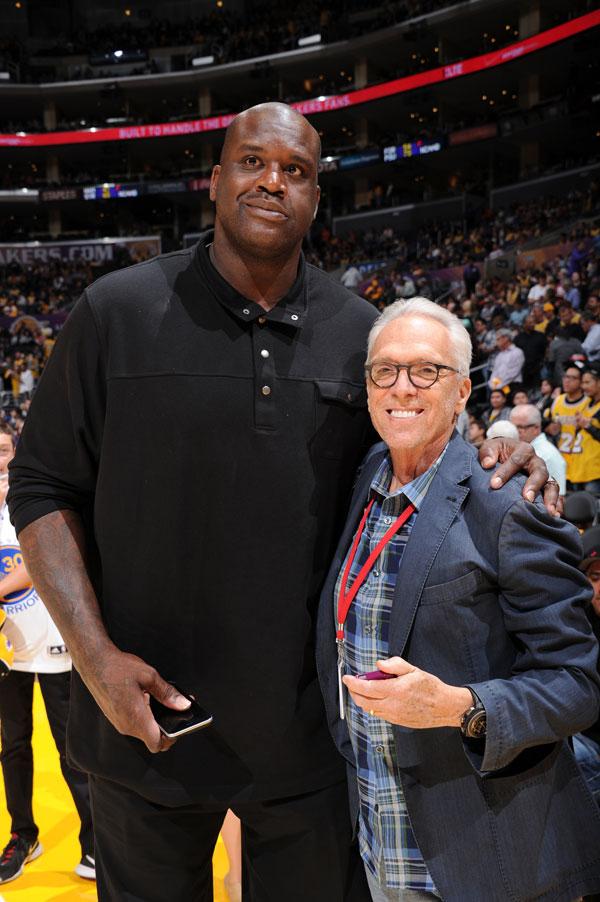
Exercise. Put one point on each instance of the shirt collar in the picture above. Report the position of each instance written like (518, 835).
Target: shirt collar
(291, 310)
(539, 440)
(414, 491)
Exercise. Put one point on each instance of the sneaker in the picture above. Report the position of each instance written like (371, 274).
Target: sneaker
(16, 855)
(86, 868)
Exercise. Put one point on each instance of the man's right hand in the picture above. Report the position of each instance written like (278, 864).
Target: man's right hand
(122, 684)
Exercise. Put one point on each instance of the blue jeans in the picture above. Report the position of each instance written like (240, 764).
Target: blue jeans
(384, 894)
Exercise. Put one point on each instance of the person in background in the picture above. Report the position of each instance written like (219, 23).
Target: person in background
(547, 393)
(352, 278)
(502, 429)
(570, 322)
(561, 350)
(507, 369)
(588, 424)
(38, 650)
(499, 408)
(537, 292)
(471, 277)
(476, 432)
(563, 421)
(528, 420)
(591, 329)
(533, 344)
(540, 324)
(520, 397)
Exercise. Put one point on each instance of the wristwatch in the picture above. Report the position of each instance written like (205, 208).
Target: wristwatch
(473, 723)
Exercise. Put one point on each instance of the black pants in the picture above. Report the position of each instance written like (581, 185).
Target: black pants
(295, 849)
(16, 756)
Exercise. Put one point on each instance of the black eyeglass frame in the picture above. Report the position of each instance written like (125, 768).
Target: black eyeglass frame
(408, 367)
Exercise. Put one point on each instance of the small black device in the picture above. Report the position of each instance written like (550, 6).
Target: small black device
(174, 723)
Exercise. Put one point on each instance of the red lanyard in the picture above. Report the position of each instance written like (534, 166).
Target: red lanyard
(346, 598)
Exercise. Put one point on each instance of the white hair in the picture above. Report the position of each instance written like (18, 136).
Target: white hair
(528, 410)
(461, 341)
(502, 429)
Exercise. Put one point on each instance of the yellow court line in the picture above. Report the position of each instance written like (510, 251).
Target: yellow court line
(51, 876)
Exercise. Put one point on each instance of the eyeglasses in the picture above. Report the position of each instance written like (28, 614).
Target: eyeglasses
(527, 426)
(421, 375)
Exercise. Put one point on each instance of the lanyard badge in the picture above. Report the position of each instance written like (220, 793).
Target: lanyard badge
(346, 598)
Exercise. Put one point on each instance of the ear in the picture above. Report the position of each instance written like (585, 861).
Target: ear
(214, 180)
(464, 392)
(318, 199)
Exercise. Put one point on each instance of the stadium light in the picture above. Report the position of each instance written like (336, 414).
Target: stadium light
(4, 76)
(203, 60)
(309, 40)
(118, 54)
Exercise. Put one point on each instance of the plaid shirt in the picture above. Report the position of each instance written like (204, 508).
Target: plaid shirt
(387, 842)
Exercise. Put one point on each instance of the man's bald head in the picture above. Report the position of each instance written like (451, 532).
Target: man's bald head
(265, 188)
(255, 118)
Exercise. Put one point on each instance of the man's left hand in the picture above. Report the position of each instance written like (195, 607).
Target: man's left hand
(414, 698)
(516, 457)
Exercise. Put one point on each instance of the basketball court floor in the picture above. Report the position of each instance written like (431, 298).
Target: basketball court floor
(51, 877)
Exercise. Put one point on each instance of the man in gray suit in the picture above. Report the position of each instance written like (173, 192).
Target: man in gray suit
(466, 605)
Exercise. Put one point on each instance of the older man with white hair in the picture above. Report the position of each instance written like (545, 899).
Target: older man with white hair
(453, 649)
(507, 369)
(528, 420)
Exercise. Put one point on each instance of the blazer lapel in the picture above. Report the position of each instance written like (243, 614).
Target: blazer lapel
(441, 505)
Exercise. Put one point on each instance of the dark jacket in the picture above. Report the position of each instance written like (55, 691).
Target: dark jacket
(489, 595)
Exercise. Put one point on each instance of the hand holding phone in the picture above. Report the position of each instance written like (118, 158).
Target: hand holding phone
(173, 724)
(376, 675)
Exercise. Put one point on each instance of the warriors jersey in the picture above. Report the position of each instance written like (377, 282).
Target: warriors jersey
(38, 645)
(579, 449)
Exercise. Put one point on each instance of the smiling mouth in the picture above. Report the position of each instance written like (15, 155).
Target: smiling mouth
(404, 414)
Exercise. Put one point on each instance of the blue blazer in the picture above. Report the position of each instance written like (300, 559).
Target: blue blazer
(489, 595)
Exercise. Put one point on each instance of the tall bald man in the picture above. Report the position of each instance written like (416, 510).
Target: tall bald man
(196, 431)
(178, 491)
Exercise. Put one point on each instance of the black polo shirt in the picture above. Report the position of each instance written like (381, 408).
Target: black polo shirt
(210, 447)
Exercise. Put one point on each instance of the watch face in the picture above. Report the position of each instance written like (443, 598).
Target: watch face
(477, 725)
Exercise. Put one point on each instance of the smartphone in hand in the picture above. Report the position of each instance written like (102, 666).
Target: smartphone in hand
(174, 723)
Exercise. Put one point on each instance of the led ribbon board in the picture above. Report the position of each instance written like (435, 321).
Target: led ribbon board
(439, 75)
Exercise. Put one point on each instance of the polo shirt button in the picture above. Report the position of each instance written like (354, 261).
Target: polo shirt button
(387, 520)
(264, 353)
(262, 320)
(294, 316)
(246, 311)
(266, 390)
(368, 630)
(379, 749)
(376, 573)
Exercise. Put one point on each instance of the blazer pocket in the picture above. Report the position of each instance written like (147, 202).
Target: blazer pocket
(463, 587)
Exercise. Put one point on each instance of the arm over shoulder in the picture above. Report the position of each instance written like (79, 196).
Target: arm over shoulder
(553, 690)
